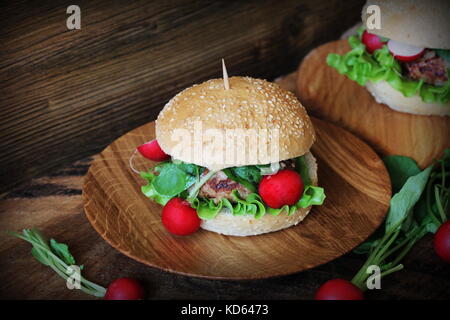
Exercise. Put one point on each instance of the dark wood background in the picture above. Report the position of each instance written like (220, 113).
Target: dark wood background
(66, 94)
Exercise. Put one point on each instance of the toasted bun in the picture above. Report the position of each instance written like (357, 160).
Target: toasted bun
(416, 22)
(248, 104)
(384, 93)
(247, 225)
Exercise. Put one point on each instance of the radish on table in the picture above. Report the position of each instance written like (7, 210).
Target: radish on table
(420, 205)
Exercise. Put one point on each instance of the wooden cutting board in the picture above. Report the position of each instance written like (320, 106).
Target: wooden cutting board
(354, 177)
(329, 95)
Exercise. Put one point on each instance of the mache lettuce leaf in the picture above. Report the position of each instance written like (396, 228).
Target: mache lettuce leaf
(360, 66)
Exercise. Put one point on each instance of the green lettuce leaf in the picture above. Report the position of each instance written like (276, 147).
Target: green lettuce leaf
(208, 209)
(302, 169)
(149, 190)
(360, 66)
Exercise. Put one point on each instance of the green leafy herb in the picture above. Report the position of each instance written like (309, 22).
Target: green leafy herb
(360, 66)
(231, 174)
(400, 169)
(403, 201)
(249, 173)
(433, 208)
(57, 256)
(62, 251)
(420, 206)
(149, 190)
(171, 180)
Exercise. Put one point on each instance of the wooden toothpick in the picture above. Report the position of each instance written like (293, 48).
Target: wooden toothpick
(226, 83)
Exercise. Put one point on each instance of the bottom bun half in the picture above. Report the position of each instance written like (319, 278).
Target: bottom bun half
(247, 225)
(384, 93)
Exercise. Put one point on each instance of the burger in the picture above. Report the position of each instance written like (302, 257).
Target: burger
(267, 184)
(405, 63)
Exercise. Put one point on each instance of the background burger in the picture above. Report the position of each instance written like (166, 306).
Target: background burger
(233, 198)
(404, 64)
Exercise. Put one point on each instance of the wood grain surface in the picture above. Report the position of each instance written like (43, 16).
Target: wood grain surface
(358, 193)
(334, 97)
(66, 94)
(54, 205)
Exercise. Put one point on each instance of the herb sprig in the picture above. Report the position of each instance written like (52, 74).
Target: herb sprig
(421, 204)
(58, 257)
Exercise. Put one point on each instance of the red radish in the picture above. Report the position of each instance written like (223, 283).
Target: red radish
(372, 41)
(339, 289)
(404, 52)
(179, 218)
(151, 150)
(442, 242)
(284, 187)
(124, 289)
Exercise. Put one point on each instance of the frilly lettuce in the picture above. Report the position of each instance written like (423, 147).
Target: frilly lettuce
(360, 66)
(208, 209)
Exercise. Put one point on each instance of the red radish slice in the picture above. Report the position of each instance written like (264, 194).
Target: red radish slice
(404, 52)
(151, 150)
(372, 41)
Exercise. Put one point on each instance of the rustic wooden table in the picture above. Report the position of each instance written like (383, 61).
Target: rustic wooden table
(53, 204)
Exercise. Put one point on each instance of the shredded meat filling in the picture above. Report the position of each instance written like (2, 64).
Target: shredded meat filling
(430, 68)
(219, 186)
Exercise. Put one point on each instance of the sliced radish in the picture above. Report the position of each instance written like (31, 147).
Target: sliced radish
(151, 150)
(404, 52)
(372, 41)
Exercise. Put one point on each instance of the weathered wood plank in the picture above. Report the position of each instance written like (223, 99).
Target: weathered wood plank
(67, 94)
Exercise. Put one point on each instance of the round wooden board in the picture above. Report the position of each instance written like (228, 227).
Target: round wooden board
(358, 193)
(329, 95)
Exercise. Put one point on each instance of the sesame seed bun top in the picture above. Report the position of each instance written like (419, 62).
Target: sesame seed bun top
(271, 114)
(415, 22)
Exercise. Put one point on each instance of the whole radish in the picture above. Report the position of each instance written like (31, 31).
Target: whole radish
(442, 242)
(372, 41)
(179, 218)
(124, 289)
(339, 289)
(151, 150)
(282, 188)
